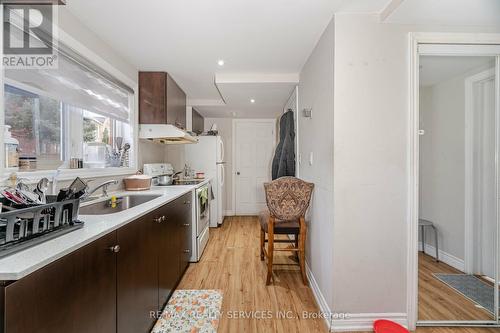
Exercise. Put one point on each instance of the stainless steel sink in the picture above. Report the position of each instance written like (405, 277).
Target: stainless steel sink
(122, 203)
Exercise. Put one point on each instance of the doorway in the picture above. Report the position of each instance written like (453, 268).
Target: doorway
(455, 146)
(254, 142)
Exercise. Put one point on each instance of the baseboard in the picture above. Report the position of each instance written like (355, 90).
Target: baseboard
(229, 213)
(352, 322)
(364, 321)
(444, 257)
(320, 299)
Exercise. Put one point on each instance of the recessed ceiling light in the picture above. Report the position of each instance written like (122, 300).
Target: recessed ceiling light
(220, 62)
(252, 101)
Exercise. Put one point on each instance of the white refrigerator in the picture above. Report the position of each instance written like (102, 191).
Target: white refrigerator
(208, 156)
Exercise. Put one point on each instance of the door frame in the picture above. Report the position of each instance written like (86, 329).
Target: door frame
(415, 40)
(233, 157)
(470, 241)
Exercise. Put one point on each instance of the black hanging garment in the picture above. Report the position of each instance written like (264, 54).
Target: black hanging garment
(284, 156)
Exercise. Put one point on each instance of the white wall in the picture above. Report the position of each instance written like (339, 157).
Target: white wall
(442, 161)
(225, 128)
(316, 137)
(370, 169)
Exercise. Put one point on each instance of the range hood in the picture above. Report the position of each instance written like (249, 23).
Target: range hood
(165, 134)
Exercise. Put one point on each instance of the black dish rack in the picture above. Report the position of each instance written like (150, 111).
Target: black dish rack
(22, 227)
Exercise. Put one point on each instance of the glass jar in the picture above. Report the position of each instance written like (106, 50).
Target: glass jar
(11, 150)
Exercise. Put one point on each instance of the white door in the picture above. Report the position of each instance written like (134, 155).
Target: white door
(254, 143)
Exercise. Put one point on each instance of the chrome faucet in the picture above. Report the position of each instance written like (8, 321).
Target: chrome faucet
(104, 187)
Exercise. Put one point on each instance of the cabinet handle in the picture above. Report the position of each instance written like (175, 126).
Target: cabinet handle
(186, 224)
(114, 249)
(160, 219)
(187, 251)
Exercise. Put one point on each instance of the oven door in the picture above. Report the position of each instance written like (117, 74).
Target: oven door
(202, 209)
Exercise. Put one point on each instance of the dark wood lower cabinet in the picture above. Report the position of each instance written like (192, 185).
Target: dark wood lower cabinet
(76, 294)
(168, 260)
(184, 226)
(117, 283)
(174, 239)
(137, 276)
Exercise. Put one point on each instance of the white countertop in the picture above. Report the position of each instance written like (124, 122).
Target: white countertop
(20, 264)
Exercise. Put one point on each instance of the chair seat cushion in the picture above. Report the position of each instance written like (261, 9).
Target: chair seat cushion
(280, 227)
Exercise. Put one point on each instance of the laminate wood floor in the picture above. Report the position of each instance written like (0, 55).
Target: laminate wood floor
(437, 301)
(231, 263)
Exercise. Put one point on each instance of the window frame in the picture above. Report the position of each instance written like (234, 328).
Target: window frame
(67, 174)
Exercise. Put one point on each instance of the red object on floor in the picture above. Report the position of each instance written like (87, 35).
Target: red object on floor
(387, 326)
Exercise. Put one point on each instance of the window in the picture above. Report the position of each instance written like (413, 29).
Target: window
(35, 121)
(57, 114)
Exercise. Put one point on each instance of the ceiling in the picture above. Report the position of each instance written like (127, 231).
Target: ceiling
(447, 12)
(264, 43)
(436, 69)
(187, 37)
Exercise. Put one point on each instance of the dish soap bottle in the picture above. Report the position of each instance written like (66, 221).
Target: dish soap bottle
(11, 150)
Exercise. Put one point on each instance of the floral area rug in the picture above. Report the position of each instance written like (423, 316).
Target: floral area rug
(191, 311)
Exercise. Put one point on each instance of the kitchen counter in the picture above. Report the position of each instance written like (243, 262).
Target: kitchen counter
(18, 265)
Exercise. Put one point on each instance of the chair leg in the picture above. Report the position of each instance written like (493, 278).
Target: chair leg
(296, 246)
(262, 242)
(270, 250)
(302, 248)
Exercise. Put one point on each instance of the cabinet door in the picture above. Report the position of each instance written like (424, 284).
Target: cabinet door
(137, 279)
(198, 122)
(76, 293)
(185, 231)
(175, 104)
(168, 258)
(152, 90)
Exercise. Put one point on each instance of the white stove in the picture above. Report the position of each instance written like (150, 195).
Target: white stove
(161, 173)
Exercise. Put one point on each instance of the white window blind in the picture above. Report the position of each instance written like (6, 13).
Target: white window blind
(79, 83)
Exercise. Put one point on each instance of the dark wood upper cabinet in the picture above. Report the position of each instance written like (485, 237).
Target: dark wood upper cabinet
(161, 100)
(198, 122)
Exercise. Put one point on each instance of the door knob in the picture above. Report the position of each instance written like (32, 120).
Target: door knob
(238, 173)
(186, 251)
(186, 224)
(187, 202)
(114, 249)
